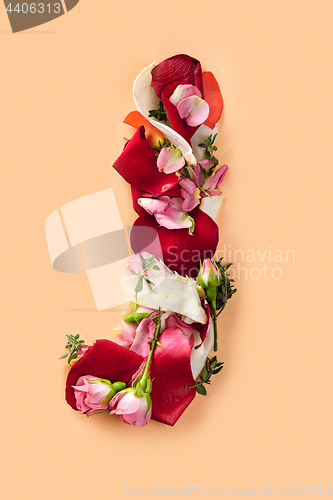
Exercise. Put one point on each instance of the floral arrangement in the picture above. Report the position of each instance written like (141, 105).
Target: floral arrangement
(154, 365)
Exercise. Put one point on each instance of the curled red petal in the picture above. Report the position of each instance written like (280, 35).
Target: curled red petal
(171, 373)
(137, 165)
(105, 359)
(213, 96)
(176, 69)
(181, 251)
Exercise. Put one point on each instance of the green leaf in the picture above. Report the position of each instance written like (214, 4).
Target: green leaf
(201, 390)
(159, 114)
(205, 374)
(148, 281)
(139, 286)
(64, 356)
(217, 370)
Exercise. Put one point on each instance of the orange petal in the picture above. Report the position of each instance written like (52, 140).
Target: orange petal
(136, 119)
(212, 95)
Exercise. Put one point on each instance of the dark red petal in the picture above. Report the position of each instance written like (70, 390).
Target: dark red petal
(105, 359)
(171, 373)
(176, 69)
(179, 125)
(137, 165)
(181, 251)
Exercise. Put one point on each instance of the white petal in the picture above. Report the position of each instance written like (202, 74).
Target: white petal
(211, 206)
(198, 356)
(199, 137)
(144, 95)
(173, 293)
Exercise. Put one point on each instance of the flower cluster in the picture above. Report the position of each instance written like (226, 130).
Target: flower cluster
(158, 360)
(175, 180)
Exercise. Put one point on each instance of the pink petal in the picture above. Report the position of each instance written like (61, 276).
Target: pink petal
(154, 206)
(173, 219)
(183, 91)
(144, 333)
(190, 200)
(174, 321)
(188, 185)
(217, 178)
(170, 160)
(194, 110)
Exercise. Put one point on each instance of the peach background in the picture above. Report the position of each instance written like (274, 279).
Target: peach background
(65, 89)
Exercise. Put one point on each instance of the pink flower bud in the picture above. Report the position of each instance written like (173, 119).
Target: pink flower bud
(133, 410)
(209, 275)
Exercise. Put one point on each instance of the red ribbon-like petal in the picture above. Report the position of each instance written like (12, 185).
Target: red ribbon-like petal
(137, 165)
(171, 373)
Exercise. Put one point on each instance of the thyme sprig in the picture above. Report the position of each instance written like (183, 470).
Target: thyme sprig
(226, 290)
(210, 148)
(159, 114)
(148, 264)
(73, 345)
(212, 367)
(166, 144)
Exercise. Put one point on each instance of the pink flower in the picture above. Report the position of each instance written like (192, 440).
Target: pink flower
(201, 184)
(133, 410)
(212, 184)
(93, 394)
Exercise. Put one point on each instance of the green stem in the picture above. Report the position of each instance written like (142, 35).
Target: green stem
(153, 344)
(211, 294)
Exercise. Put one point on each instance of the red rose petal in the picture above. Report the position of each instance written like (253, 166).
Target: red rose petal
(181, 250)
(214, 98)
(137, 165)
(171, 373)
